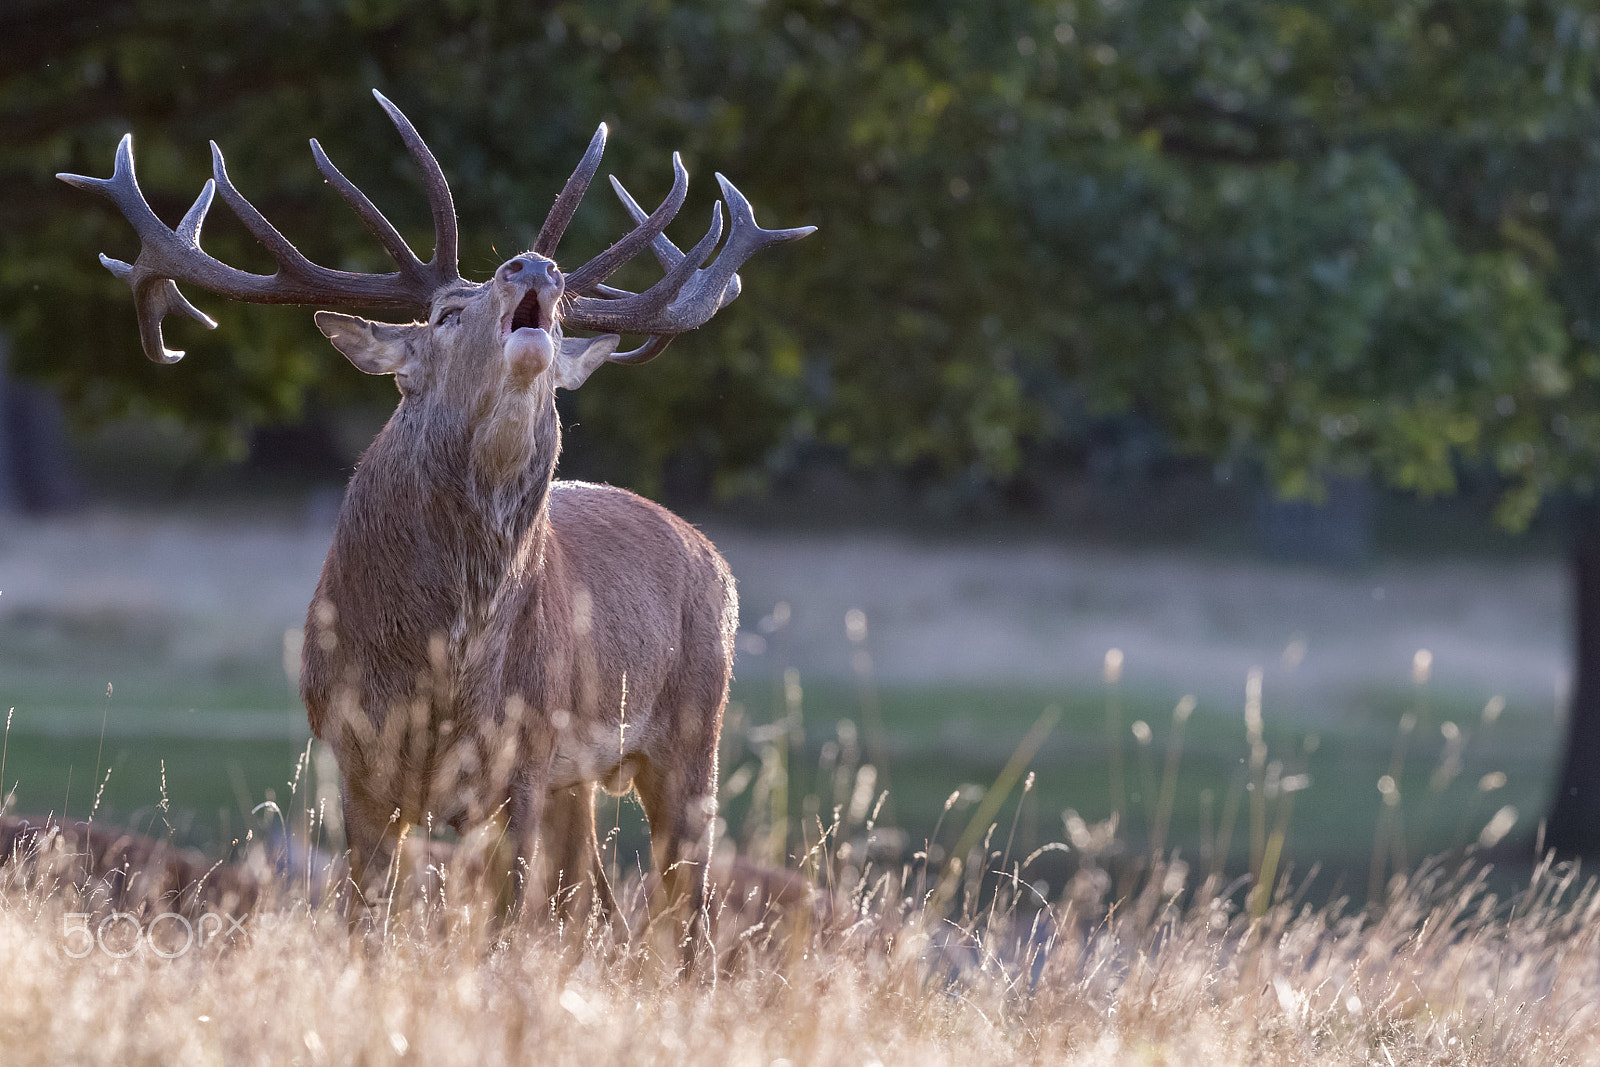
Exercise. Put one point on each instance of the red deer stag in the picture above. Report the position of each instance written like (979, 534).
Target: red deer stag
(484, 639)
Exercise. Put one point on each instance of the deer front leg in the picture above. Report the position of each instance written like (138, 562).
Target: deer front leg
(526, 821)
(370, 837)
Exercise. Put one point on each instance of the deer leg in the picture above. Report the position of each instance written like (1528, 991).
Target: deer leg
(565, 846)
(575, 854)
(525, 823)
(368, 837)
(680, 804)
(602, 886)
(603, 897)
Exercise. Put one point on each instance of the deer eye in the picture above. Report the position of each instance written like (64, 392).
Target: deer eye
(448, 317)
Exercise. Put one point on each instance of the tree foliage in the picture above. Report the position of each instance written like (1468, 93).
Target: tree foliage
(1343, 237)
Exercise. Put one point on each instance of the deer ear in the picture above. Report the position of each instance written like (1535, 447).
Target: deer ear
(579, 356)
(374, 347)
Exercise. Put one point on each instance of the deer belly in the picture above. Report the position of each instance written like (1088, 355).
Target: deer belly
(577, 761)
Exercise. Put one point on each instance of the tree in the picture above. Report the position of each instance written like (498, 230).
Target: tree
(1390, 268)
(1344, 238)
(1363, 239)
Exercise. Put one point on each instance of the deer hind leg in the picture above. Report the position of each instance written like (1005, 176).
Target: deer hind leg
(680, 803)
(575, 854)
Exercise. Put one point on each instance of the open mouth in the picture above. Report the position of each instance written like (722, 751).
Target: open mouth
(536, 311)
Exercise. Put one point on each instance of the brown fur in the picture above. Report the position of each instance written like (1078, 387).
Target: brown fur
(484, 640)
(116, 871)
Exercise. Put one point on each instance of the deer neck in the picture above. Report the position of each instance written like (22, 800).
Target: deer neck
(511, 460)
(511, 463)
(447, 517)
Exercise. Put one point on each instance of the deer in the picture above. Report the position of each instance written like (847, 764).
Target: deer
(486, 642)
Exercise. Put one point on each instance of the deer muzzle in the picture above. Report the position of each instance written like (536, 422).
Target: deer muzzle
(531, 286)
(535, 285)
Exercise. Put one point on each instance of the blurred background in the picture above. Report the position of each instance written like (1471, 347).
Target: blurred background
(1191, 402)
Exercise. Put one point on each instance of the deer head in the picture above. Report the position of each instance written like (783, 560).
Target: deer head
(480, 344)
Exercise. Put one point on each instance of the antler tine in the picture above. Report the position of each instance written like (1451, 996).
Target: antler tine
(375, 220)
(566, 205)
(645, 352)
(122, 188)
(168, 256)
(446, 247)
(667, 254)
(411, 287)
(708, 290)
(606, 263)
(155, 296)
(155, 302)
(278, 246)
(619, 315)
(748, 237)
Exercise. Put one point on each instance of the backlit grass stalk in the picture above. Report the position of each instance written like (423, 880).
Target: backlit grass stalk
(767, 821)
(1027, 787)
(1113, 680)
(793, 714)
(1283, 789)
(1143, 736)
(1258, 771)
(1488, 783)
(98, 794)
(993, 797)
(929, 845)
(876, 736)
(1388, 839)
(1225, 824)
(1169, 778)
(1445, 772)
(1422, 709)
(5, 747)
(105, 715)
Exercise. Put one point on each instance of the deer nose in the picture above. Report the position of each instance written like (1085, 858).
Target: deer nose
(531, 268)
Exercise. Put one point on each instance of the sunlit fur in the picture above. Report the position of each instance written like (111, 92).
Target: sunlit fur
(485, 642)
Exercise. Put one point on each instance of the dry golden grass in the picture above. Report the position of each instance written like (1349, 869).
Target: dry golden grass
(1442, 972)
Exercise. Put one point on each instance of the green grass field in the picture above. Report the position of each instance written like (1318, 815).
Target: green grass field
(223, 756)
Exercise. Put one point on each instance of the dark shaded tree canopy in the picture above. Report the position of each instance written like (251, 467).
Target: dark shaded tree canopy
(1344, 237)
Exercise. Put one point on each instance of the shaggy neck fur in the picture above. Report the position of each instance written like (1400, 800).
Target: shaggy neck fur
(447, 518)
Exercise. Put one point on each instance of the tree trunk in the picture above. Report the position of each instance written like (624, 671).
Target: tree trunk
(1574, 823)
(36, 470)
(10, 493)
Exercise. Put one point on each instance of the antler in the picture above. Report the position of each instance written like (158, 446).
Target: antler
(690, 292)
(167, 256)
(686, 297)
